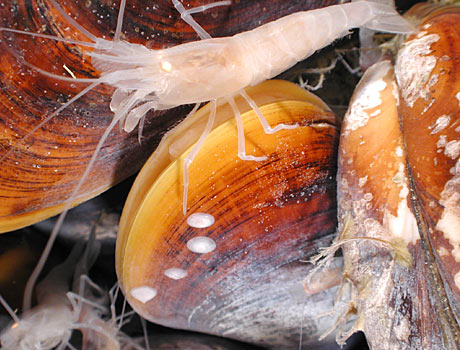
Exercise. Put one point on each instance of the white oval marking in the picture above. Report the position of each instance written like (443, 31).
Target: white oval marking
(200, 220)
(201, 245)
(143, 294)
(175, 273)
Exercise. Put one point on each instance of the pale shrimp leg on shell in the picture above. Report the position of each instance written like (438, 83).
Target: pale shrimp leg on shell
(186, 15)
(240, 129)
(196, 148)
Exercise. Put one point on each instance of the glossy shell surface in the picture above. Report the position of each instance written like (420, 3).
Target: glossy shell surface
(235, 264)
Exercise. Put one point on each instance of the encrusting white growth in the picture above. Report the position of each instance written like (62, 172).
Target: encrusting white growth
(440, 124)
(403, 225)
(201, 245)
(449, 224)
(143, 294)
(200, 220)
(367, 97)
(414, 66)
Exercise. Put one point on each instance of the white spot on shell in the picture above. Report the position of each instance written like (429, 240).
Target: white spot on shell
(175, 273)
(200, 220)
(414, 67)
(452, 149)
(201, 245)
(143, 294)
(442, 142)
(443, 251)
(367, 96)
(458, 98)
(440, 123)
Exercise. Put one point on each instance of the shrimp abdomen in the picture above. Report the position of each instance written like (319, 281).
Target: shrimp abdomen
(277, 46)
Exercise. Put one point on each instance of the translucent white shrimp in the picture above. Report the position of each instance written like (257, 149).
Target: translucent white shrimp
(207, 70)
(50, 324)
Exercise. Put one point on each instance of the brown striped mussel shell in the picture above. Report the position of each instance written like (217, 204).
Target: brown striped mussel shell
(235, 264)
(399, 191)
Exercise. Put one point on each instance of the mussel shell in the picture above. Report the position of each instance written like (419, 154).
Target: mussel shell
(269, 216)
(398, 183)
(430, 120)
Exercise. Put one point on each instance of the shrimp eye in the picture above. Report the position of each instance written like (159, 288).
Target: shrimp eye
(166, 66)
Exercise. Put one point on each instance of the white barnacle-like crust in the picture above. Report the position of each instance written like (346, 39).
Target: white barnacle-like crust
(367, 97)
(404, 224)
(452, 149)
(441, 123)
(414, 67)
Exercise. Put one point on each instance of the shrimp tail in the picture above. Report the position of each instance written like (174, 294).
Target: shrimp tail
(385, 18)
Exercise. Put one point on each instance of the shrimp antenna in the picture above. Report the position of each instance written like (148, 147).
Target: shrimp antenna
(46, 36)
(74, 23)
(9, 309)
(144, 330)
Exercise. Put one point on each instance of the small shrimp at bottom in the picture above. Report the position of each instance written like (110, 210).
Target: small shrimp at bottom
(50, 324)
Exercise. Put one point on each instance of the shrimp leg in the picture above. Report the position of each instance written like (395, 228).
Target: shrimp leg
(240, 129)
(263, 121)
(189, 159)
(186, 15)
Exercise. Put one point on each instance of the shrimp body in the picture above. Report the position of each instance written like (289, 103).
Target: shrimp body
(221, 67)
(50, 324)
(44, 327)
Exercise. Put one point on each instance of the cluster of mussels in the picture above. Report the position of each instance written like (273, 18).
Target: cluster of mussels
(237, 265)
